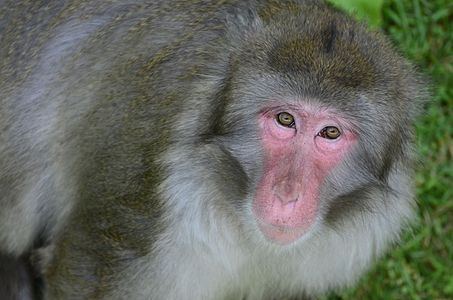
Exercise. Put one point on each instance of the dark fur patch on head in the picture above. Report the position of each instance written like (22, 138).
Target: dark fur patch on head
(328, 56)
(289, 56)
(329, 35)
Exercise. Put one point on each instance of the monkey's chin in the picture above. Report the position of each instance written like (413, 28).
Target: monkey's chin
(282, 235)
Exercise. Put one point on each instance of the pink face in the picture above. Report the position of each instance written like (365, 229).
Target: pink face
(302, 145)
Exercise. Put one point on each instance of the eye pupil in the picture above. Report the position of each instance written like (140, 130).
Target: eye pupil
(285, 119)
(330, 132)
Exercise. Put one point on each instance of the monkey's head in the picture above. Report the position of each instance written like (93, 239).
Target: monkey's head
(315, 123)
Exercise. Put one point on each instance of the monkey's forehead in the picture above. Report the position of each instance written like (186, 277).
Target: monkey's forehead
(318, 52)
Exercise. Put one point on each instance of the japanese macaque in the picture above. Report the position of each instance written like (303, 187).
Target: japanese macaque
(198, 149)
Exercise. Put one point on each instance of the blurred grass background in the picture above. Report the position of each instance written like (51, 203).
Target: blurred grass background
(421, 266)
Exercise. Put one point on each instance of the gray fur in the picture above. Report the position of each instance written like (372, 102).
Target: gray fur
(128, 145)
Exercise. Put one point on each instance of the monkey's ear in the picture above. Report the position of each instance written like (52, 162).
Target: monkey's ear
(417, 89)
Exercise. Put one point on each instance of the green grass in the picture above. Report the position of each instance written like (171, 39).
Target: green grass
(421, 267)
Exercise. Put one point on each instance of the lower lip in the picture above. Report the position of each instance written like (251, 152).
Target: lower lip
(282, 235)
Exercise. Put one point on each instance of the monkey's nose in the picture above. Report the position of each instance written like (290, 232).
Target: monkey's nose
(287, 192)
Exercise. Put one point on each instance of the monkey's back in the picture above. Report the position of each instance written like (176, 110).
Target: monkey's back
(66, 64)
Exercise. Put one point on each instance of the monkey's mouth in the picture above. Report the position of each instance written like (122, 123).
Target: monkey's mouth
(281, 234)
(284, 223)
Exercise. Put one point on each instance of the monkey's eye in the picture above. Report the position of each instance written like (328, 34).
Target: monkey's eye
(285, 119)
(330, 132)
